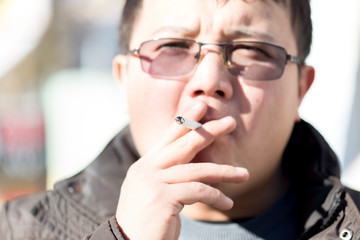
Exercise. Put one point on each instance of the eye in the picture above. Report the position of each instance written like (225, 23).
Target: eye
(257, 52)
(174, 45)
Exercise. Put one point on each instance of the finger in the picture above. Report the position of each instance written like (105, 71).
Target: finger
(195, 113)
(184, 149)
(193, 192)
(205, 172)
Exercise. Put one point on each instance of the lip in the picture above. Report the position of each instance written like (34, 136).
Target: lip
(208, 118)
(215, 110)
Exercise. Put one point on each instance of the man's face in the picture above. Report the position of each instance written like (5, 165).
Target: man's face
(265, 111)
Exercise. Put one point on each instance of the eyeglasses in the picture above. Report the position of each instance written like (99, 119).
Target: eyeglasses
(173, 58)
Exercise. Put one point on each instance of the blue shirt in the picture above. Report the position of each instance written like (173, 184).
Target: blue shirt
(276, 223)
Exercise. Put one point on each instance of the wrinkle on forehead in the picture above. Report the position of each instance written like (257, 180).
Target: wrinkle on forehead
(249, 27)
(223, 25)
(247, 31)
(174, 29)
(224, 2)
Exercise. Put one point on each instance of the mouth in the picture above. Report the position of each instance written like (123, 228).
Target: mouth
(213, 114)
(207, 155)
(207, 118)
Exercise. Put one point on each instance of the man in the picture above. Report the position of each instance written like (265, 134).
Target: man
(252, 170)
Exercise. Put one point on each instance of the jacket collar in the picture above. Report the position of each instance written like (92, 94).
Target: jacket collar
(308, 159)
(98, 185)
(314, 171)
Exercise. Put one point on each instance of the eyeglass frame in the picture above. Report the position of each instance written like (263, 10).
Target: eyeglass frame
(288, 57)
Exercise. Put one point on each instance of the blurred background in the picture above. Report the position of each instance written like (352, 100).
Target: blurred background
(59, 104)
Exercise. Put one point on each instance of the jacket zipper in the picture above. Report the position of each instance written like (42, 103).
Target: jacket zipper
(337, 207)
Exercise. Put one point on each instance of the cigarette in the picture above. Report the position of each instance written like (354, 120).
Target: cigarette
(187, 122)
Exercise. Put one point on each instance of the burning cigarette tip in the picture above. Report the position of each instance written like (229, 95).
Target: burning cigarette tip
(187, 122)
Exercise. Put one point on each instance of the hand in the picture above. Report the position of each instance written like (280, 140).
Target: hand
(160, 183)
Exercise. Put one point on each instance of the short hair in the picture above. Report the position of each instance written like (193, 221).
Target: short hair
(300, 13)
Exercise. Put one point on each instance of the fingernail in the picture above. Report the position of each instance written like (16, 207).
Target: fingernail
(229, 202)
(226, 120)
(241, 170)
(197, 105)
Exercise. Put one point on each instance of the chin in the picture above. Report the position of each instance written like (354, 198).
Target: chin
(232, 190)
(211, 154)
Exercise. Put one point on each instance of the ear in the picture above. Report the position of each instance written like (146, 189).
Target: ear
(119, 69)
(307, 77)
(119, 66)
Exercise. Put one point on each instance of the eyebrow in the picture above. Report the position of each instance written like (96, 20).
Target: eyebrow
(232, 33)
(245, 31)
(180, 30)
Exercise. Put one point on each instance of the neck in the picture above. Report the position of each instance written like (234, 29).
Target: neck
(248, 204)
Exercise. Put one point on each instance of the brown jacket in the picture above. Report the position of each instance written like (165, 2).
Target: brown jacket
(83, 206)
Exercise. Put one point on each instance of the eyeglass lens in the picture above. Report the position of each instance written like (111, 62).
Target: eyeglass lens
(171, 58)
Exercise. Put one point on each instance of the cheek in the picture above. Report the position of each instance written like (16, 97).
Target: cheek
(272, 108)
(286, 99)
(267, 126)
(152, 106)
(252, 104)
(153, 98)
(279, 99)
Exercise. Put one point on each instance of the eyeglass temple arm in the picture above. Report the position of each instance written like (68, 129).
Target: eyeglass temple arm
(292, 58)
(134, 52)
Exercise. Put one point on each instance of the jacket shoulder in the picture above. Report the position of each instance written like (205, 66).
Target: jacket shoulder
(46, 216)
(18, 222)
(355, 195)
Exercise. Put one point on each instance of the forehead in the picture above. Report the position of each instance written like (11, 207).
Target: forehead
(212, 20)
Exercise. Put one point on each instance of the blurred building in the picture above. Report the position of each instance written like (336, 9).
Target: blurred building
(22, 64)
(54, 55)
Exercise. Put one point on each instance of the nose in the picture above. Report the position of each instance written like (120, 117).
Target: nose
(211, 78)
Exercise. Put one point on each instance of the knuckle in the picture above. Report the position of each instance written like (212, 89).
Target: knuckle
(187, 145)
(132, 170)
(227, 170)
(207, 193)
(215, 196)
(199, 188)
(194, 167)
(137, 171)
(192, 143)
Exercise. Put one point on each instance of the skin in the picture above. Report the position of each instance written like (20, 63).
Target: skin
(204, 174)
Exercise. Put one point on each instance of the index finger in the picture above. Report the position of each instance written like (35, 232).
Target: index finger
(184, 149)
(196, 113)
